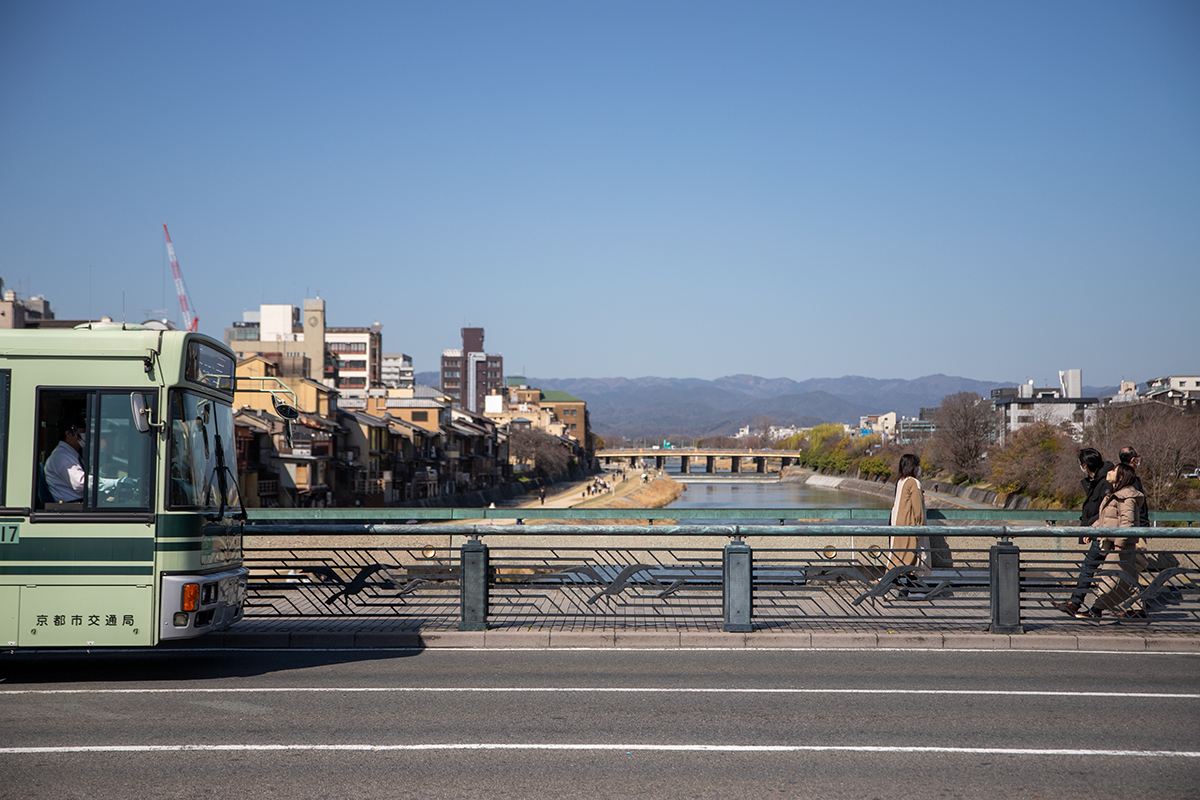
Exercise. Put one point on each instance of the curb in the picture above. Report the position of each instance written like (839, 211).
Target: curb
(686, 640)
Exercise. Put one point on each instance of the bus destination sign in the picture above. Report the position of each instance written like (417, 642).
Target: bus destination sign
(209, 366)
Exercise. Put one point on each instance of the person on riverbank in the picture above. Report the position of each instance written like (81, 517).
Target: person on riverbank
(908, 509)
(1123, 507)
(1095, 487)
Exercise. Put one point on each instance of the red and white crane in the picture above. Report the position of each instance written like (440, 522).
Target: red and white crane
(190, 320)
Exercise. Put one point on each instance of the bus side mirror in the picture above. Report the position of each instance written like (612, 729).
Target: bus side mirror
(287, 414)
(141, 414)
(285, 411)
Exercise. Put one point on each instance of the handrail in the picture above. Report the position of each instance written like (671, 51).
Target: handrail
(692, 531)
(319, 516)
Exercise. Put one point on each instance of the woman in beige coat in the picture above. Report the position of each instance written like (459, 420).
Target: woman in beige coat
(908, 509)
(1121, 508)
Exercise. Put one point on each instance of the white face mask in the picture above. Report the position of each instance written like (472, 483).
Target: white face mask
(1083, 469)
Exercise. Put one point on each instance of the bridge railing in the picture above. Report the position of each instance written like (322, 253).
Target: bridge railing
(321, 516)
(733, 569)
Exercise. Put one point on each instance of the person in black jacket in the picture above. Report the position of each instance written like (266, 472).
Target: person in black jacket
(1095, 487)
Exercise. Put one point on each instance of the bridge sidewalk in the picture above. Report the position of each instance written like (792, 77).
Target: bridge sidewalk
(1041, 634)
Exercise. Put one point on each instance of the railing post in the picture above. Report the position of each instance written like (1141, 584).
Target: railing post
(1004, 570)
(473, 567)
(737, 587)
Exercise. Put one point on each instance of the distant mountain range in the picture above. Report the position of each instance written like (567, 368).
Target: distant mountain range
(636, 407)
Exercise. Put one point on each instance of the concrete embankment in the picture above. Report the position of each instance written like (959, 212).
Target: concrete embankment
(969, 496)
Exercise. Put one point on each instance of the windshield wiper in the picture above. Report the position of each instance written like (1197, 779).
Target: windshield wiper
(223, 475)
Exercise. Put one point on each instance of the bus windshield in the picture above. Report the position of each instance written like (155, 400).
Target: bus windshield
(203, 469)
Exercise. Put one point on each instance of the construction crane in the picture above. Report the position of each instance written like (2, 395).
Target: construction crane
(190, 320)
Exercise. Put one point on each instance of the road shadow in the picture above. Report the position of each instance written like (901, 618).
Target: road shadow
(171, 667)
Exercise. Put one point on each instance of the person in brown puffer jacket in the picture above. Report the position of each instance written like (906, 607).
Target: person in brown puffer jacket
(1124, 507)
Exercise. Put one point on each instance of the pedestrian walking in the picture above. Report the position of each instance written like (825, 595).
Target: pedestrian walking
(1122, 564)
(1095, 487)
(908, 510)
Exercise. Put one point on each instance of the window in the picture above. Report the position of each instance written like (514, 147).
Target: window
(357, 364)
(203, 473)
(347, 347)
(84, 427)
(450, 373)
(351, 383)
(420, 416)
(5, 382)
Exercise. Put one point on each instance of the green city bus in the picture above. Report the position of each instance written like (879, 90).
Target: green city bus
(121, 522)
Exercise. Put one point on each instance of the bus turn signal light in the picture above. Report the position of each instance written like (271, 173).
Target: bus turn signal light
(191, 596)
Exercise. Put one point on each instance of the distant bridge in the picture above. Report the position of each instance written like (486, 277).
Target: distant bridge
(688, 457)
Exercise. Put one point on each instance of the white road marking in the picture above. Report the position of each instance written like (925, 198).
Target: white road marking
(424, 650)
(663, 748)
(605, 690)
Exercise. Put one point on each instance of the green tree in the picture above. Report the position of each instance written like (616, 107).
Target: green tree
(824, 436)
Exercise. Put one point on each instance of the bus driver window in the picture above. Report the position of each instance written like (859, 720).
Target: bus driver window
(91, 455)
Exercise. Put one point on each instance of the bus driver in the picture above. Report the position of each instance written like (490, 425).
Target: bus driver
(65, 475)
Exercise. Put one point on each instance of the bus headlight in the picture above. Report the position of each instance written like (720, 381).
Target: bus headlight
(180, 619)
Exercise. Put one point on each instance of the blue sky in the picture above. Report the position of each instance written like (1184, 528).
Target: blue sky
(683, 189)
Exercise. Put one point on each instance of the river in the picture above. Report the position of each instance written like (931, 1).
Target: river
(706, 491)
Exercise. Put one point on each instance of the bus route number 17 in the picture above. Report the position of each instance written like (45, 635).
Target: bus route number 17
(10, 534)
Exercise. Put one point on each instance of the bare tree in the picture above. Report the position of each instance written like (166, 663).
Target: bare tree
(547, 454)
(1167, 440)
(965, 429)
(761, 431)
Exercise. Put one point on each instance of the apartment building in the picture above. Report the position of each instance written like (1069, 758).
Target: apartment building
(358, 358)
(16, 312)
(396, 371)
(1025, 405)
(348, 359)
(469, 374)
(1177, 390)
(883, 424)
(557, 413)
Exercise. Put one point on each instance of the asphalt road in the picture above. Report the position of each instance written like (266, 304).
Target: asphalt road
(599, 723)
